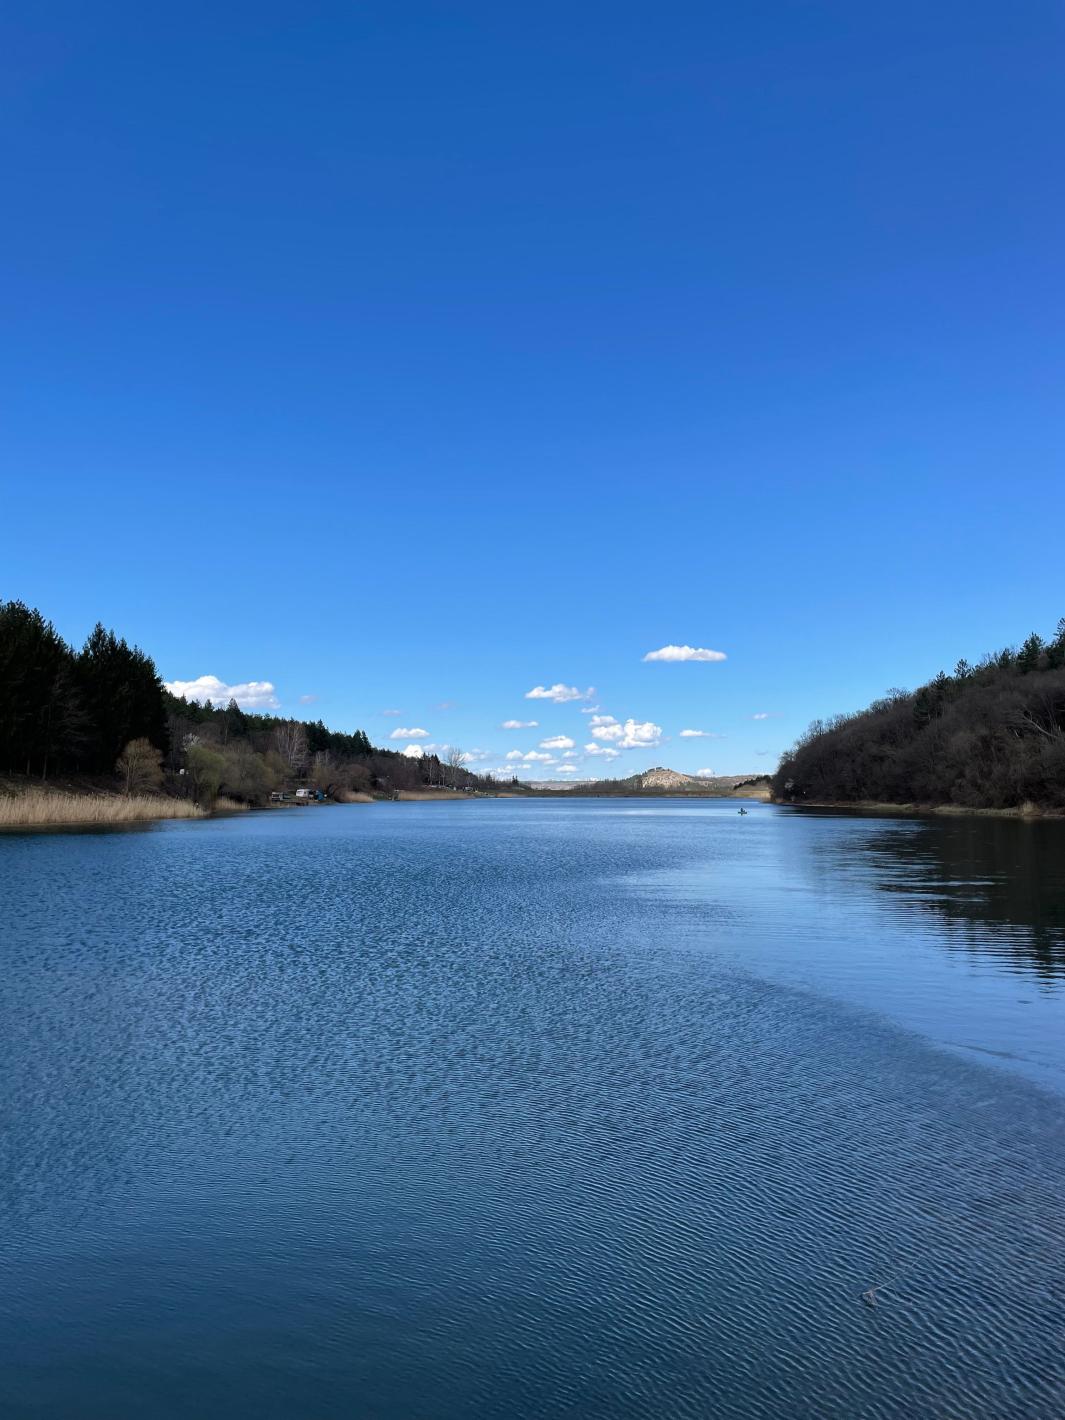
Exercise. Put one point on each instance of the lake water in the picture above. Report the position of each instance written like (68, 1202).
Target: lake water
(534, 1109)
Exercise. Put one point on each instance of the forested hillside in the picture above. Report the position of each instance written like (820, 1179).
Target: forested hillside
(991, 735)
(102, 711)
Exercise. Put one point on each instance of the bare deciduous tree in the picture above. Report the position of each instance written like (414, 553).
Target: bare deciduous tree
(323, 769)
(456, 759)
(291, 741)
(140, 766)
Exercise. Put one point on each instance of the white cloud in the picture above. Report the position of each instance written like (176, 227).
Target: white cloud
(633, 734)
(558, 742)
(603, 750)
(249, 694)
(446, 705)
(414, 734)
(535, 758)
(391, 712)
(514, 754)
(589, 709)
(520, 725)
(705, 774)
(605, 727)
(640, 736)
(567, 769)
(684, 653)
(559, 693)
(762, 715)
(700, 735)
(571, 754)
(308, 699)
(414, 751)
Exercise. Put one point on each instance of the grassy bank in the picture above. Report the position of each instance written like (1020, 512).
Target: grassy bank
(42, 808)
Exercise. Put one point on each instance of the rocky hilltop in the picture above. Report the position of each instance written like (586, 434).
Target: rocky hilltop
(665, 779)
(672, 781)
(669, 781)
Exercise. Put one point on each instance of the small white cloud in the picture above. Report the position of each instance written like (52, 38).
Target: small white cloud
(685, 653)
(533, 757)
(559, 693)
(640, 736)
(604, 750)
(391, 712)
(414, 751)
(413, 734)
(558, 742)
(605, 727)
(765, 715)
(700, 735)
(589, 709)
(249, 694)
(308, 699)
(571, 754)
(705, 774)
(513, 754)
(567, 769)
(520, 725)
(445, 705)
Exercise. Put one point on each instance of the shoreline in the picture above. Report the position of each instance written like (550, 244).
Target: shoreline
(1030, 813)
(95, 809)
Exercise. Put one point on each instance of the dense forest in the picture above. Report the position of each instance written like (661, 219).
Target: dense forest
(991, 735)
(103, 712)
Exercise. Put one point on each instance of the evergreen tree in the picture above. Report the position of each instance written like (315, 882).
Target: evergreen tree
(123, 696)
(1030, 652)
(33, 658)
(236, 724)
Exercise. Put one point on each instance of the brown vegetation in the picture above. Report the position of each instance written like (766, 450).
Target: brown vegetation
(38, 808)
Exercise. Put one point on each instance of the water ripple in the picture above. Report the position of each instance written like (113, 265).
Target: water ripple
(416, 1114)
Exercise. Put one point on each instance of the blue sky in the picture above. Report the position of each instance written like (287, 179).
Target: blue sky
(415, 356)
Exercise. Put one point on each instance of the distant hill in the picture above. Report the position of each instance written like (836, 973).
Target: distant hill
(670, 781)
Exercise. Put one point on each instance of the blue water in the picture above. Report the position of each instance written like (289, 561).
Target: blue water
(534, 1108)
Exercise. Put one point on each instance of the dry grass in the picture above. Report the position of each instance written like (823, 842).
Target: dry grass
(40, 807)
(222, 805)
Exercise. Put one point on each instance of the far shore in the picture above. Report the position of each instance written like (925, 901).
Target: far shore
(61, 808)
(869, 806)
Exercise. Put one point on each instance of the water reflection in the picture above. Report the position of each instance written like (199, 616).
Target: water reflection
(996, 885)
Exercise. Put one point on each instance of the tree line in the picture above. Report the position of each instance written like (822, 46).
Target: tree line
(72, 710)
(102, 711)
(991, 735)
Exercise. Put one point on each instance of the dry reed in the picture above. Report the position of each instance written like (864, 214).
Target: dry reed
(40, 807)
(223, 805)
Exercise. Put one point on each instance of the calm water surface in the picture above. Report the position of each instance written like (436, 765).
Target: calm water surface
(598, 1109)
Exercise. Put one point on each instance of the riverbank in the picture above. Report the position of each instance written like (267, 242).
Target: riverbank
(91, 803)
(870, 806)
(55, 808)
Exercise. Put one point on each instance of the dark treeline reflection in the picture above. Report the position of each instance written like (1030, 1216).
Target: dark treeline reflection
(999, 882)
